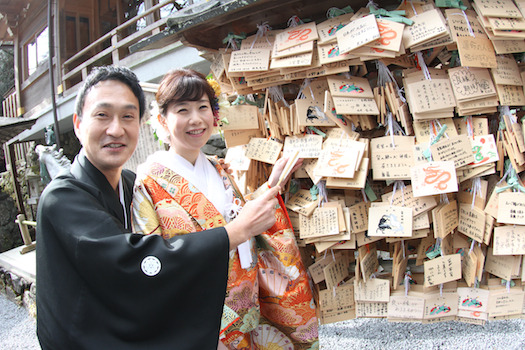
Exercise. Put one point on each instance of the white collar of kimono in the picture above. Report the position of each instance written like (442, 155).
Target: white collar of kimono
(203, 175)
(122, 201)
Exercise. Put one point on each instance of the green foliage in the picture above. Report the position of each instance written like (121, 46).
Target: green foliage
(6, 184)
(7, 70)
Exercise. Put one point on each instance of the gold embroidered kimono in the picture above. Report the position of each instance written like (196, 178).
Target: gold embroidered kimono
(267, 306)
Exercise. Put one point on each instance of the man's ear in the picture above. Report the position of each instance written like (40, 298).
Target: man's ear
(76, 126)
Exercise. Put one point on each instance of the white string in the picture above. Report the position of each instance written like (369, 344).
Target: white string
(393, 126)
(394, 192)
(235, 208)
(441, 290)
(322, 191)
(440, 127)
(371, 3)
(504, 110)
(471, 32)
(306, 84)
(403, 193)
(507, 173)
(403, 247)
(431, 131)
(123, 202)
(407, 283)
(365, 198)
(401, 185)
(470, 132)
(423, 65)
(343, 136)
(334, 12)
(294, 21)
(330, 13)
(262, 29)
(276, 93)
(385, 76)
(233, 45)
(413, 8)
(472, 245)
(476, 189)
(390, 129)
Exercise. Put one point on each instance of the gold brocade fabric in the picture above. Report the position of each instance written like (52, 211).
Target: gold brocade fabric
(267, 306)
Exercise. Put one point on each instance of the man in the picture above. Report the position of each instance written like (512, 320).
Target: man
(99, 286)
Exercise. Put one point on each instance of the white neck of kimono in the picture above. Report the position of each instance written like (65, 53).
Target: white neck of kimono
(189, 156)
(122, 201)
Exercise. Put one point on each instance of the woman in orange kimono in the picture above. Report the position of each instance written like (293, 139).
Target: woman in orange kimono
(269, 303)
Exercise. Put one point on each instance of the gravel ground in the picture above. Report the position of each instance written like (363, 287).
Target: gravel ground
(17, 327)
(17, 331)
(381, 334)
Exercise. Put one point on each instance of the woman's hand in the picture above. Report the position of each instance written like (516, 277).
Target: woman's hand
(225, 166)
(278, 170)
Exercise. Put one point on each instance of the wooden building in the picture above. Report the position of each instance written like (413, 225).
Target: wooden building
(69, 38)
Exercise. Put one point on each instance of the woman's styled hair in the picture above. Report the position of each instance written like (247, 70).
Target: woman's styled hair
(184, 85)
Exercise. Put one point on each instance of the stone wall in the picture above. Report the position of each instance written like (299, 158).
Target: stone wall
(18, 290)
(9, 232)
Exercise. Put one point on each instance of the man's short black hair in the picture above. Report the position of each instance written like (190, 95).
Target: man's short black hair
(122, 74)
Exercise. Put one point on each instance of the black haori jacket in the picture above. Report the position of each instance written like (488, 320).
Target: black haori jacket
(101, 287)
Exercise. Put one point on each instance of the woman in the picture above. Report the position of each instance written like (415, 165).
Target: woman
(268, 301)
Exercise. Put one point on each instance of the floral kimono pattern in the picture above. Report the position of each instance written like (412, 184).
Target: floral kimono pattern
(268, 305)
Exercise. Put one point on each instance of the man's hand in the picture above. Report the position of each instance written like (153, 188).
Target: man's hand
(278, 169)
(255, 217)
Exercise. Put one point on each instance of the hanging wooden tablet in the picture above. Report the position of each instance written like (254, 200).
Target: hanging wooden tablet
(443, 269)
(392, 157)
(263, 150)
(249, 60)
(357, 33)
(327, 30)
(476, 52)
(240, 117)
(434, 178)
(296, 35)
(389, 221)
(427, 26)
(501, 8)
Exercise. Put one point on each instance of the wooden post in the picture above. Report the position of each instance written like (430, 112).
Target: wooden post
(11, 158)
(29, 245)
(115, 53)
(151, 18)
(18, 74)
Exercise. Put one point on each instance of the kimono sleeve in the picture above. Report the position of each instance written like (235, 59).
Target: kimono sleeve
(144, 216)
(155, 212)
(188, 274)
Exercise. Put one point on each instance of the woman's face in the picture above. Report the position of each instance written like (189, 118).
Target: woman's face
(190, 125)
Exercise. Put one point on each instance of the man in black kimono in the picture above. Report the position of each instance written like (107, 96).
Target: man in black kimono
(100, 286)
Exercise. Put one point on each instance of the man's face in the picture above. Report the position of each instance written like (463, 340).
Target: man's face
(109, 127)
